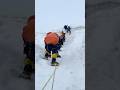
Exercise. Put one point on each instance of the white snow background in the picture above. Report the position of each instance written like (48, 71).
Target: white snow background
(70, 75)
(52, 16)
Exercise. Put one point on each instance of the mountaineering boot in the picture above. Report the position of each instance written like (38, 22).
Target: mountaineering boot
(27, 72)
(54, 64)
(47, 55)
(58, 56)
(26, 75)
(28, 69)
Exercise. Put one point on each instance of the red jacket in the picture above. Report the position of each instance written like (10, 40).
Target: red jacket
(29, 31)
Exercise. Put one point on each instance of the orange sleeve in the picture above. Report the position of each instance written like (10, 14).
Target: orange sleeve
(29, 32)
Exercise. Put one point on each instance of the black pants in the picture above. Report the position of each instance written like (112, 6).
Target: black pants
(53, 48)
(29, 50)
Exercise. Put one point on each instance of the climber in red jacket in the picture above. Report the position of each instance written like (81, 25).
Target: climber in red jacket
(28, 36)
(51, 45)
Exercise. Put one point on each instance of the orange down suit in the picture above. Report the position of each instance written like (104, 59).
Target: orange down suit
(29, 31)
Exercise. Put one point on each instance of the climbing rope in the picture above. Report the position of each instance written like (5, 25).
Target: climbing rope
(53, 75)
(53, 78)
(58, 30)
(47, 81)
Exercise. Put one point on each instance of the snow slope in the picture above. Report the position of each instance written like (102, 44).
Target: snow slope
(70, 75)
(11, 54)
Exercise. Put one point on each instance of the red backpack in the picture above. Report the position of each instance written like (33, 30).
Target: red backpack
(51, 38)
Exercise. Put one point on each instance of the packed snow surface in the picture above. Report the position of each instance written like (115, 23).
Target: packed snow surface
(70, 75)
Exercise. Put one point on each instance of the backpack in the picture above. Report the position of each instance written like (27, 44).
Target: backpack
(51, 38)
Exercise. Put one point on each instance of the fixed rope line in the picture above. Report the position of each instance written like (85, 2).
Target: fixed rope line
(49, 79)
(53, 78)
(53, 75)
(44, 32)
(77, 27)
(80, 27)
